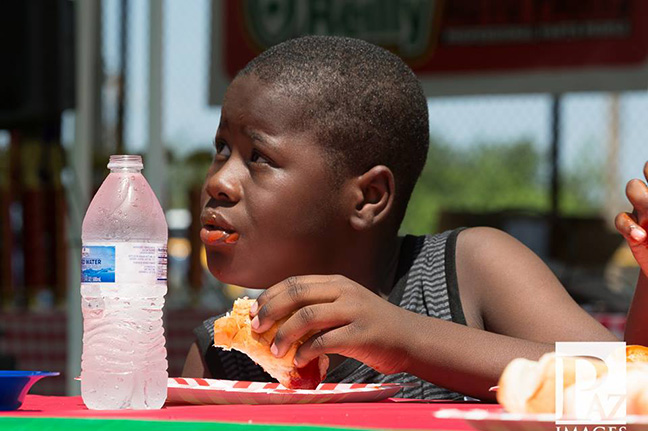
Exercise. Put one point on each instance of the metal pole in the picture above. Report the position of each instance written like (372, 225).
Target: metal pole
(556, 236)
(88, 31)
(555, 156)
(155, 167)
(123, 76)
(613, 191)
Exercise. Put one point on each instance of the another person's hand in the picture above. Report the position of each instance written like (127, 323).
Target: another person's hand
(342, 317)
(634, 226)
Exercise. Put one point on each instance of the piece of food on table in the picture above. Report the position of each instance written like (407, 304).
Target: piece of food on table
(636, 390)
(636, 353)
(637, 395)
(234, 331)
(529, 386)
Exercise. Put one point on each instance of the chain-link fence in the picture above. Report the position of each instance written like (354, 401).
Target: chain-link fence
(489, 155)
(490, 163)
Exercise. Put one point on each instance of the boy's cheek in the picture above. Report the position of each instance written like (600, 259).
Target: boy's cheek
(204, 197)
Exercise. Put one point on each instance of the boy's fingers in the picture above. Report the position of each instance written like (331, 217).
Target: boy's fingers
(627, 226)
(270, 293)
(312, 318)
(288, 300)
(333, 341)
(278, 288)
(637, 193)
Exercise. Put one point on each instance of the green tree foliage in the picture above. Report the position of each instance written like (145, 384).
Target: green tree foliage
(186, 173)
(494, 177)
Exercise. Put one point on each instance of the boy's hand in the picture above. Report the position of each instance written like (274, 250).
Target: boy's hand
(633, 226)
(340, 316)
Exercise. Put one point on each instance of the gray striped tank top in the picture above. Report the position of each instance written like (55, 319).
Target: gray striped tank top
(426, 283)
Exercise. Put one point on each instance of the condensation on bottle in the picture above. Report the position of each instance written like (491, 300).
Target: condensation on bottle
(123, 283)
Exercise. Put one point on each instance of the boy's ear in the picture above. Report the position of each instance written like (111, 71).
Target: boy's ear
(373, 194)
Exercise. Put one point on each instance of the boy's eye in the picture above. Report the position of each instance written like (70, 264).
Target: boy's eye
(258, 158)
(222, 149)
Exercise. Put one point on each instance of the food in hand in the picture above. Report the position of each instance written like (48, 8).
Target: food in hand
(529, 386)
(234, 331)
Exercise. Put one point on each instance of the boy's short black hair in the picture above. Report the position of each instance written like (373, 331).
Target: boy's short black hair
(364, 103)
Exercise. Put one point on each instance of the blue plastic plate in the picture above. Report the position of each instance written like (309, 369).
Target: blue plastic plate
(14, 385)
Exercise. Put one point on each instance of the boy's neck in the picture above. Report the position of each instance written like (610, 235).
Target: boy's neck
(388, 280)
(377, 271)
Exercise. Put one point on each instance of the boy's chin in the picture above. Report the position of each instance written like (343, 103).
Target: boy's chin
(248, 275)
(241, 282)
(228, 275)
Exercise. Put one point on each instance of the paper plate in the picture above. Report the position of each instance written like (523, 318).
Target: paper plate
(213, 391)
(484, 420)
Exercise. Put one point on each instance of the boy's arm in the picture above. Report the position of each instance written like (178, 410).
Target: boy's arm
(637, 323)
(633, 228)
(523, 307)
(195, 365)
(516, 294)
(463, 359)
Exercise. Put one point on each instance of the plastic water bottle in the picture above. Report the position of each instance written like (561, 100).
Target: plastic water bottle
(123, 283)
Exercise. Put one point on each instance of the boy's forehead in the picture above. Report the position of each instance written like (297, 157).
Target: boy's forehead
(249, 99)
(250, 87)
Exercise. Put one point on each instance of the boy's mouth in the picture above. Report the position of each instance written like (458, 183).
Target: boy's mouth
(216, 230)
(214, 235)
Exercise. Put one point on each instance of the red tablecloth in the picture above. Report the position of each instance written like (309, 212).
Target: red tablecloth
(38, 340)
(389, 414)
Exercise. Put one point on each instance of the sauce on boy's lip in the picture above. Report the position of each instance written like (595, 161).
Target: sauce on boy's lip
(216, 230)
(211, 236)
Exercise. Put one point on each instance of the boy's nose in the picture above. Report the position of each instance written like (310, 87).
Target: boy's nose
(223, 184)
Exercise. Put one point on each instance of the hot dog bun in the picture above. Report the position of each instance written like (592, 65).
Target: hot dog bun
(529, 386)
(234, 332)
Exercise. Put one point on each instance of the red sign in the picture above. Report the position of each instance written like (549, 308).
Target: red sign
(465, 38)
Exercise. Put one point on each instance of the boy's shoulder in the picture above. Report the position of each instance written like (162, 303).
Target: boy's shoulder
(431, 252)
(433, 243)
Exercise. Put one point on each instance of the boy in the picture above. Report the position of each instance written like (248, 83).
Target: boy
(320, 144)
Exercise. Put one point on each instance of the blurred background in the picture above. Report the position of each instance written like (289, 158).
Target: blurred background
(538, 118)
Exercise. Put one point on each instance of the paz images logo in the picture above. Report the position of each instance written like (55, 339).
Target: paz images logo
(591, 385)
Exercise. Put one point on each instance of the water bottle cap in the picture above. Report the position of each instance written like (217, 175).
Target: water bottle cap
(125, 161)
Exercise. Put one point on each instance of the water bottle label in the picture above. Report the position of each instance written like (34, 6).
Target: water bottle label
(98, 264)
(144, 263)
(162, 263)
